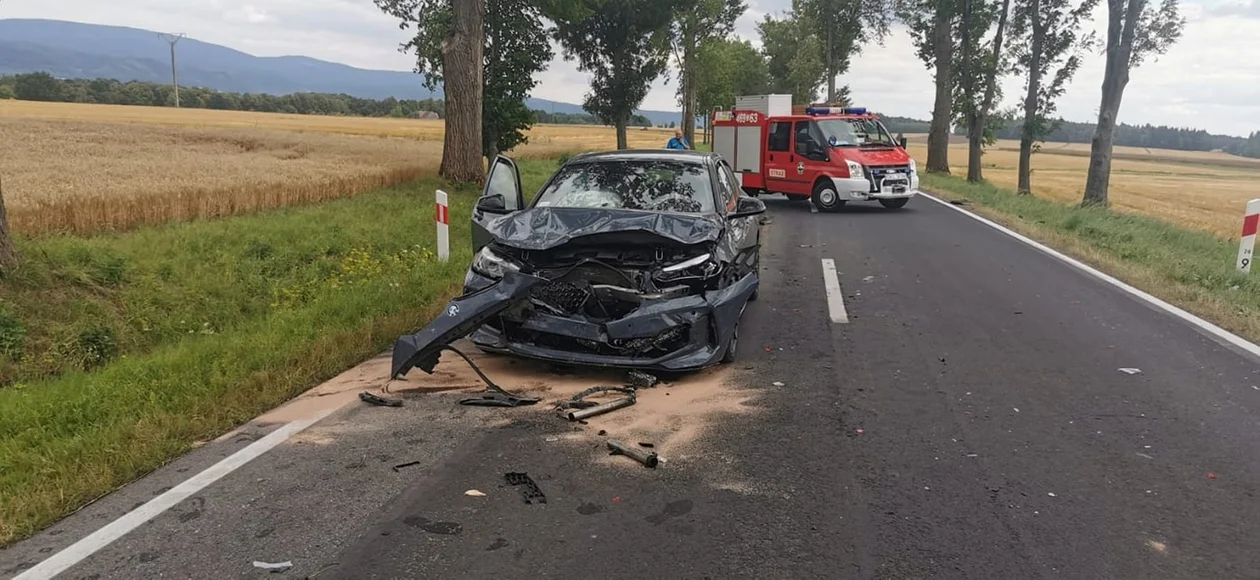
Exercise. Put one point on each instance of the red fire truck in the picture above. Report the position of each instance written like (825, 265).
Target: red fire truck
(831, 155)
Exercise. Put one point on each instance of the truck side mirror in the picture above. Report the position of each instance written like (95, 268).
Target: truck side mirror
(902, 142)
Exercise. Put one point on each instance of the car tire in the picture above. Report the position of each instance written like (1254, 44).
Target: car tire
(896, 203)
(826, 198)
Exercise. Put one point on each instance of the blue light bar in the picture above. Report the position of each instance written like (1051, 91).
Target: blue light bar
(835, 110)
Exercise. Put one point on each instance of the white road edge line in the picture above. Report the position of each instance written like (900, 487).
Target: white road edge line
(1214, 330)
(835, 297)
(76, 552)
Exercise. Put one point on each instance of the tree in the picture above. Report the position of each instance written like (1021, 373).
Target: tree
(624, 44)
(8, 254)
(843, 27)
(457, 32)
(726, 69)
(694, 25)
(981, 131)
(1049, 56)
(931, 27)
(38, 86)
(794, 57)
(1135, 30)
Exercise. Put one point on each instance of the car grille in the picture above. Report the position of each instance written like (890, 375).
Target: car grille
(876, 174)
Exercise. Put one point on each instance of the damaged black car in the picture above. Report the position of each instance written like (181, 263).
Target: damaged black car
(628, 259)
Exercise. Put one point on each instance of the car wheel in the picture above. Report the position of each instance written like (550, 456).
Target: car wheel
(897, 203)
(826, 198)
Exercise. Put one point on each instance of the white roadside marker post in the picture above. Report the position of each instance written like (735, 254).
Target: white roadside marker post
(443, 227)
(1248, 242)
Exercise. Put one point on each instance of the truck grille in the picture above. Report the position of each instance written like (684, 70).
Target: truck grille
(876, 174)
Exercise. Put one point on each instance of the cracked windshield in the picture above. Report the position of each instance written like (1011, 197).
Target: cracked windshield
(670, 186)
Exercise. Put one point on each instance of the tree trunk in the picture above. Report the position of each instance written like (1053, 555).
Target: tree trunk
(975, 134)
(463, 72)
(942, 112)
(1031, 114)
(689, 88)
(8, 254)
(621, 123)
(1122, 19)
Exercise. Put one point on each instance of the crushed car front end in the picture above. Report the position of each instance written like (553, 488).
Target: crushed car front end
(626, 301)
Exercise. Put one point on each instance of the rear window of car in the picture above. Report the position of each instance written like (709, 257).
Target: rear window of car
(642, 184)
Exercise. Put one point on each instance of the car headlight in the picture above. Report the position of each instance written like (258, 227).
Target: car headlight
(914, 168)
(491, 265)
(855, 169)
(703, 265)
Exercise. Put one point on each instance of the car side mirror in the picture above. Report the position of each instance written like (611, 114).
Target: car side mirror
(748, 206)
(493, 203)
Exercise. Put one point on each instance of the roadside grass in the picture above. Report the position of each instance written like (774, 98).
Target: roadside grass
(162, 337)
(1192, 269)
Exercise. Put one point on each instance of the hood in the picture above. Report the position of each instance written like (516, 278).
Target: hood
(544, 228)
(880, 156)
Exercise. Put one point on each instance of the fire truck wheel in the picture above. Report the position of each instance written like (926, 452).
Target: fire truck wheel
(826, 198)
(896, 203)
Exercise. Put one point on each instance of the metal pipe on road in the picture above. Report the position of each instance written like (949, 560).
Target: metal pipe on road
(581, 414)
(647, 458)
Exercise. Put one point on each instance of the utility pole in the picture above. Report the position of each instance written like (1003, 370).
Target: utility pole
(172, 39)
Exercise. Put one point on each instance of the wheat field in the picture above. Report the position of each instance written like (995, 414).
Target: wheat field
(86, 168)
(1202, 190)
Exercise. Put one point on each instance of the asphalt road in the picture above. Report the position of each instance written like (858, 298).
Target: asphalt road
(969, 421)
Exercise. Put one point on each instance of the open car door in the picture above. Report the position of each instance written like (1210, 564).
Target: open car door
(501, 196)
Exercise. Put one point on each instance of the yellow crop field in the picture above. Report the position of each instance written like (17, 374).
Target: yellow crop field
(1197, 189)
(85, 168)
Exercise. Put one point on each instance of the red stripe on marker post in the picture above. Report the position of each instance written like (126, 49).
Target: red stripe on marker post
(442, 215)
(1250, 223)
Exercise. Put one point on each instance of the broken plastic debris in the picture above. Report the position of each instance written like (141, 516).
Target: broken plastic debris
(868, 278)
(1145, 456)
(474, 493)
(277, 567)
(379, 401)
(1016, 409)
(1211, 476)
(1130, 371)
(859, 431)
(552, 439)
(1051, 494)
(777, 383)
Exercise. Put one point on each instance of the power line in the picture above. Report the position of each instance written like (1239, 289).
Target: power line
(172, 39)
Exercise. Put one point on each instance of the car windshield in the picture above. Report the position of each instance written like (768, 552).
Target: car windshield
(855, 132)
(645, 184)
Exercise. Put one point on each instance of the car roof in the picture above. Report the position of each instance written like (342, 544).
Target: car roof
(644, 155)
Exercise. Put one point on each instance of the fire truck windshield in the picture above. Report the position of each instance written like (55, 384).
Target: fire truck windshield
(855, 132)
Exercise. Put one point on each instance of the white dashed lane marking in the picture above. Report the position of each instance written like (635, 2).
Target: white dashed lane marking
(835, 297)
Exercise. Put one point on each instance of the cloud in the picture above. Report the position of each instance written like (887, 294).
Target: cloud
(1202, 81)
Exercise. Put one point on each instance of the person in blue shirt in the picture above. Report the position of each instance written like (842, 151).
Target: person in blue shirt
(678, 142)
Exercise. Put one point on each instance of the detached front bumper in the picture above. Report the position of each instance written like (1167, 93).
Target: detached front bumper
(669, 334)
(860, 189)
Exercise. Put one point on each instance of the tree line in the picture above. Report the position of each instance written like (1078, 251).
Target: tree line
(1152, 136)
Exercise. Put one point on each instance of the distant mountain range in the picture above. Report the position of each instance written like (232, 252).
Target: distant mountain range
(76, 50)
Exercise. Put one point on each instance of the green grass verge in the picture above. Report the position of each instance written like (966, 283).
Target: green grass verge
(162, 337)
(1191, 269)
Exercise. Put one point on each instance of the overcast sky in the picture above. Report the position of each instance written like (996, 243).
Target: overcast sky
(1209, 80)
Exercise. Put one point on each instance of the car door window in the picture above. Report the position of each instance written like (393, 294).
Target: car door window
(780, 137)
(502, 181)
(805, 141)
(726, 185)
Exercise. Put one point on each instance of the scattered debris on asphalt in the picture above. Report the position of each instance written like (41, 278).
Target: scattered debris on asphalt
(777, 383)
(474, 493)
(407, 464)
(379, 401)
(586, 409)
(602, 432)
(1051, 494)
(641, 380)
(647, 458)
(273, 568)
(495, 396)
(868, 278)
(1130, 371)
(1211, 476)
(959, 201)
(552, 439)
(1145, 456)
(648, 445)
(530, 489)
(859, 431)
